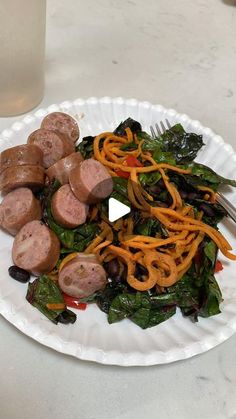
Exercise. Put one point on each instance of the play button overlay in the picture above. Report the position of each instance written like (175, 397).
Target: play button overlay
(116, 209)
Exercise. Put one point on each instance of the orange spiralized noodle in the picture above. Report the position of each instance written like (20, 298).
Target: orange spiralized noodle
(146, 242)
(167, 259)
(192, 251)
(210, 191)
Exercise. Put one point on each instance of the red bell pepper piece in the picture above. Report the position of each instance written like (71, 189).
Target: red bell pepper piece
(121, 173)
(129, 161)
(74, 302)
(218, 266)
(132, 161)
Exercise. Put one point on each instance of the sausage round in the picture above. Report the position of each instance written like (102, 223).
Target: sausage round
(62, 122)
(63, 167)
(18, 208)
(22, 176)
(67, 210)
(82, 276)
(53, 145)
(36, 248)
(91, 182)
(21, 155)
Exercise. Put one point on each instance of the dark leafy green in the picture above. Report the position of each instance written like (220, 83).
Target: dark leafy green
(139, 309)
(135, 127)
(149, 179)
(149, 144)
(105, 297)
(147, 317)
(129, 146)
(212, 297)
(185, 293)
(164, 156)
(210, 251)
(182, 147)
(208, 175)
(75, 240)
(150, 227)
(197, 293)
(201, 175)
(85, 147)
(120, 191)
(43, 291)
(185, 183)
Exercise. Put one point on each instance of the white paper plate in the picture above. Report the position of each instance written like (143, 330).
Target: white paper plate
(124, 343)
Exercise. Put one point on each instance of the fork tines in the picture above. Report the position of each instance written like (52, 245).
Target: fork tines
(160, 128)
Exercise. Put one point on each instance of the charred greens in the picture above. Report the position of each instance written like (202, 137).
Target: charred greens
(174, 145)
(135, 127)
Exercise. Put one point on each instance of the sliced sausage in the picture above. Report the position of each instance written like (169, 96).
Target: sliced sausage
(22, 176)
(91, 182)
(69, 147)
(67, 210)
(62, 122)
(36, 248)
(21, 155)
(63, 167)
(53, 145)
(82, 276)
(18, 208)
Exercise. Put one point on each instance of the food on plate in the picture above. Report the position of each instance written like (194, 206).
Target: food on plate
(53, 145)
(27, 176)
(82, 276)
(91, 181)
(18, 208)
(36, 248)
(19, 274)
(61, 169)
(161, 256)
(63, 123)
(20, 155)
(67, 210)
(45, 295)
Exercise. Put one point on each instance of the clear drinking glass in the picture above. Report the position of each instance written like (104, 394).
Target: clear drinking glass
(22, 46)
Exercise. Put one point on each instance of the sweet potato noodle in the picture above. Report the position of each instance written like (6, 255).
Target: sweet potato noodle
(164, 265)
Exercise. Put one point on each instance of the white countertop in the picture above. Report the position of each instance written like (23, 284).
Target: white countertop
(181, 54)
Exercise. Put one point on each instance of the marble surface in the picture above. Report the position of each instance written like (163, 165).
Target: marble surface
(181, 54)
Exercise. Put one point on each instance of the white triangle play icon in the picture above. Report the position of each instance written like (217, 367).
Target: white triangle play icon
(116, 209)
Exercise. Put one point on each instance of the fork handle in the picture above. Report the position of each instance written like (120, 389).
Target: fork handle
(231, 210)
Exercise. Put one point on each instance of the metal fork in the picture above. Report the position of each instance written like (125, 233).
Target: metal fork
(161, 128)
